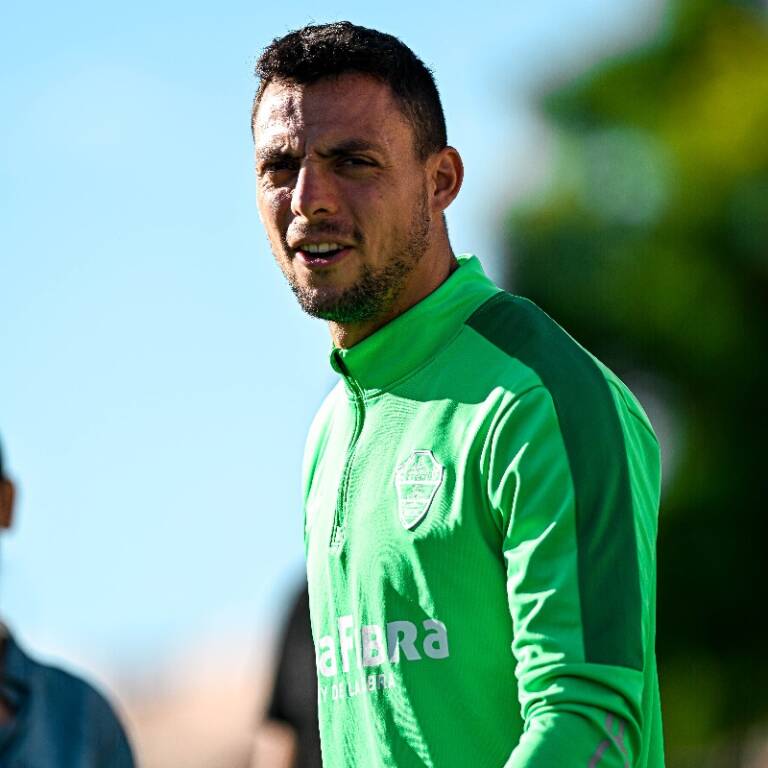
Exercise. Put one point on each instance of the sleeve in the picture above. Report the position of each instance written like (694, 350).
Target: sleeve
(565, 489)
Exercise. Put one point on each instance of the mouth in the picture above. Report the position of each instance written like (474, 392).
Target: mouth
(318, 255)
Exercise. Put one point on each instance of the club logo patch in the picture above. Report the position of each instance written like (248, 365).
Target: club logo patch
(417, 480)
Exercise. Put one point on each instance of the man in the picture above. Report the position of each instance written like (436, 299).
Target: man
(47, 716)
(481, 494)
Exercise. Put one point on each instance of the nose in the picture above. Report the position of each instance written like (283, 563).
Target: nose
(314, 195)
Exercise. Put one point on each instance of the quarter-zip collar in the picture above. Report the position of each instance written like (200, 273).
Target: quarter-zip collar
(415, 337)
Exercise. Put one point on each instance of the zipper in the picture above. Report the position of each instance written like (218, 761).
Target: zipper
(338, 530)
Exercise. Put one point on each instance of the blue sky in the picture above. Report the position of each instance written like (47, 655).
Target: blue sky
(157, 378)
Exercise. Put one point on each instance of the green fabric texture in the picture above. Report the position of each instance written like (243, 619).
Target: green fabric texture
(481, 500)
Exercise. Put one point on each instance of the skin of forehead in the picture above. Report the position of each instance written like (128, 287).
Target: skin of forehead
(348, 106)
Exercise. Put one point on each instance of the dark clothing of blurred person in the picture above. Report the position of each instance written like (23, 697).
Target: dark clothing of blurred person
(48, 717)
(292, 707)
(56, 719)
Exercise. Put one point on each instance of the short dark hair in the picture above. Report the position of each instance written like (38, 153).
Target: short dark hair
(318, 51)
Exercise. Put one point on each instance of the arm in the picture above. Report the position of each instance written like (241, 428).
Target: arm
(572, 497)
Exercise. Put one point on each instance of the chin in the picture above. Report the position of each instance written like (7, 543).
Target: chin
(317, 302)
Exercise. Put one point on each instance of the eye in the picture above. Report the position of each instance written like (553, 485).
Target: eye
(278, 165)
(356, 161)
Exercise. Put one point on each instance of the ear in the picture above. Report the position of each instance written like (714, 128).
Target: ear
(446, 173)
(7, 495)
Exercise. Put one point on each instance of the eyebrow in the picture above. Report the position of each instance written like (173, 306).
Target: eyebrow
(350, 146)
(343, 148)
(271, 153)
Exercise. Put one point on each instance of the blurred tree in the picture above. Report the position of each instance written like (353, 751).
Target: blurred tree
(650, 244)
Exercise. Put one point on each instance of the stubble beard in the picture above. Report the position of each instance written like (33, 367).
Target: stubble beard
(375, 291)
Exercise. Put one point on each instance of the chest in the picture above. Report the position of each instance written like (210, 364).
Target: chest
(398, 490)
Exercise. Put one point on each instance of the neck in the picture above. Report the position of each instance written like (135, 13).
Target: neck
(422, 281)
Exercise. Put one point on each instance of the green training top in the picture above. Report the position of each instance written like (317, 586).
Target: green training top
(481, 499)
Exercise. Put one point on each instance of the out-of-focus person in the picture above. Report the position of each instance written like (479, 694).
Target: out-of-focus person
(288, 735)
(48, 717)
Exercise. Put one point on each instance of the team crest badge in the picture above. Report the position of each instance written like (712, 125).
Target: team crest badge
(417, 480)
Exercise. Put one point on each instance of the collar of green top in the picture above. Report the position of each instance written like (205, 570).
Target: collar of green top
(413, 338)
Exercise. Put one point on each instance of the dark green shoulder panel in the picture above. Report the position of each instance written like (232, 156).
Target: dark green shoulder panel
(609, 579)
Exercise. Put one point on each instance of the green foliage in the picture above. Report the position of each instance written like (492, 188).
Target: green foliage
(651, 246)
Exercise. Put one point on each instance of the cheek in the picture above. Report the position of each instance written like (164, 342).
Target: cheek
(370, 207)
(274, 210)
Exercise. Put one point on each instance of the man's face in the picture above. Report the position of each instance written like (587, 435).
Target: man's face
(342, 195)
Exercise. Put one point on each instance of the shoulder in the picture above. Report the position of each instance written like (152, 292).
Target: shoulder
(63, 685)
(519, 330)
(74, 708)
(335, 398)
(585, 393)
(319, 430)
(571, 401)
